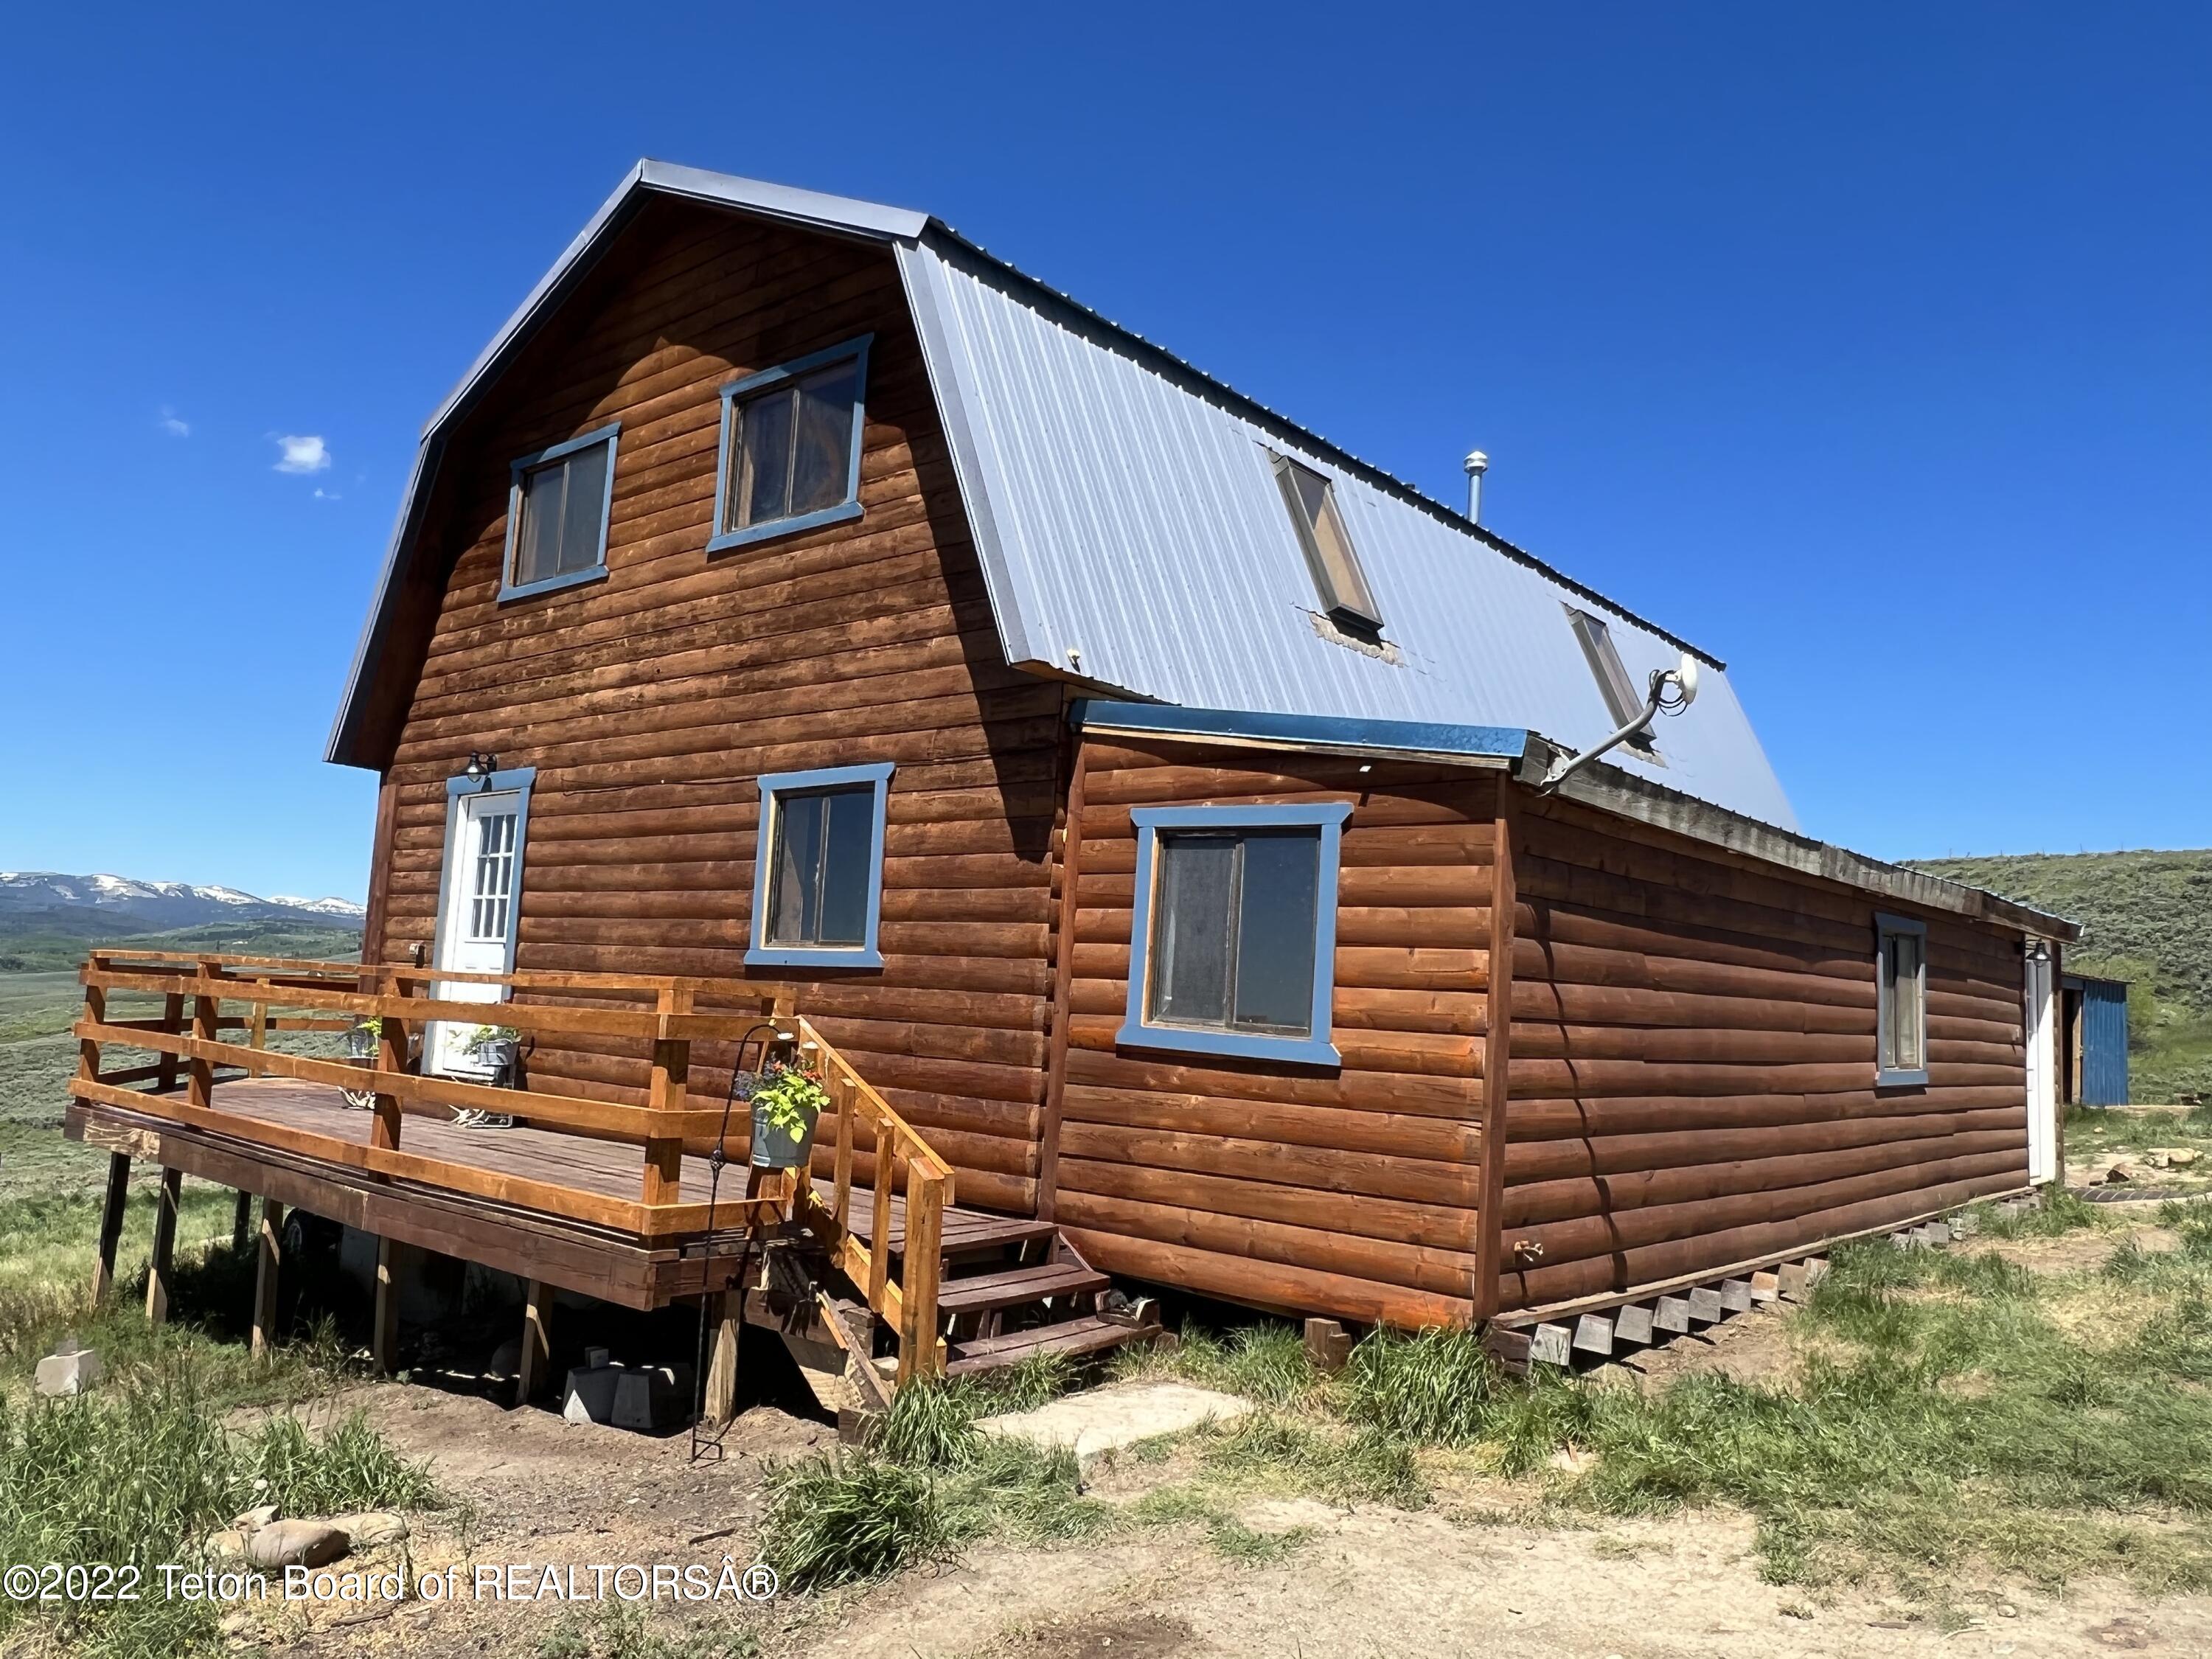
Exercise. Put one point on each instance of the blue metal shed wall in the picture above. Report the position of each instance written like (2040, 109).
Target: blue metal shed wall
(2103, 1042)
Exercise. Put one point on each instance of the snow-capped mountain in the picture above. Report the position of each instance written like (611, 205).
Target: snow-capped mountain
(156, 905)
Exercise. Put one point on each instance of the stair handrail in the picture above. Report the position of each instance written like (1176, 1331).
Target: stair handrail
(908, 1304)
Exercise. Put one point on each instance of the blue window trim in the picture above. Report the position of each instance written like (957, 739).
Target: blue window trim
(735, 393)
(863, 955)
(1136, 1031)
(522, 779)
(508, 587)
(1892, 1077)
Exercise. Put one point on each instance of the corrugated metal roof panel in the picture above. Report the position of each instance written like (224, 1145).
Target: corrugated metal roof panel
(1137, 522)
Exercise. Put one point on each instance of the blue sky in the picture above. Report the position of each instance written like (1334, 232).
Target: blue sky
(1867, 347)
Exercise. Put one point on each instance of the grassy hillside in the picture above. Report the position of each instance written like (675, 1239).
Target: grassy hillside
(2149, 921)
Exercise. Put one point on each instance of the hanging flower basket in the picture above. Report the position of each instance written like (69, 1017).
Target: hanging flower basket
(786, 1104)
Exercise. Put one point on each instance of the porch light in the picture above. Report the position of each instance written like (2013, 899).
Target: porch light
(481, 766)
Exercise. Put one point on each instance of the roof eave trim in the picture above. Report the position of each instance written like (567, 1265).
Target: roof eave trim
(1492, 746)
(1627, 794)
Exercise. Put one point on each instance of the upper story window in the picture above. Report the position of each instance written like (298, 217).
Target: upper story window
(1901, 1008)
(818, 874)
(790, 447)
(558, 504)
(1327, 545)
(1233, 942)
(1613, 681)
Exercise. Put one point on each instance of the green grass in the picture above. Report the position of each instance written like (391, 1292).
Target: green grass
(140, 1470)
(55, 941)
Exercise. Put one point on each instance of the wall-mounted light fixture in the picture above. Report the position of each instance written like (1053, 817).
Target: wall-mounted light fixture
(481, 767)
(2038, 950)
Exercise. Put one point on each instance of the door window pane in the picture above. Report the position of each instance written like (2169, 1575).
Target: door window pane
(1233, 931)
(820, 878)
(492, 888)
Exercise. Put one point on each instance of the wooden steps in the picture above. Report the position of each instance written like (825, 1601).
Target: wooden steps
(985, 1292)
(1088, 1334)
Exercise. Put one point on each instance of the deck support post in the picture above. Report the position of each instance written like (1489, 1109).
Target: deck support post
(384, 1344)
(173, 1024)
(111, 1224)
(722, 1311)
(920, 1265)
(241, 1221)
(267, 1265)
(536, 1362)
(161, 1275)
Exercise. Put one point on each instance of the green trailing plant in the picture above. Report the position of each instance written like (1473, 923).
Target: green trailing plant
(789, 1100)
(483, 1035)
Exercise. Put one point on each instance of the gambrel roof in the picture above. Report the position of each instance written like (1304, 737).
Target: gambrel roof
(1134, 537)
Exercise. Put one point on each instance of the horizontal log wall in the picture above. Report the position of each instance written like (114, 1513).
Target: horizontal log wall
(1693, 1062)
(1350, 1191)
(650, 702)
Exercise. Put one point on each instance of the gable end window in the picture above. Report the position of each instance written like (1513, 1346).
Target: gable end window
(1327, 545)
(818, 872)
(790, 457)
(1901, 1008)
(1234, 937)
(558, 504)
(1612, 675)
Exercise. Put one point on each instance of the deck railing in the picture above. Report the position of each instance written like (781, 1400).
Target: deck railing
(202, 997)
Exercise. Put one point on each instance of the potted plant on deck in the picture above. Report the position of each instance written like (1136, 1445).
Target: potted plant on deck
(786, 1104)
(498, 1049)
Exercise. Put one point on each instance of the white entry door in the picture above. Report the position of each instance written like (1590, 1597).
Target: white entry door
(477, 930)
(2042, 1030)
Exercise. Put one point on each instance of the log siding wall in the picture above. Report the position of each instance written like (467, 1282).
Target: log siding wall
(1693, 1057)
(1352, 1192)
(650, 702)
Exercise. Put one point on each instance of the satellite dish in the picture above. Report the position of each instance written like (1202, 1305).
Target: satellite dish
(1686, 678)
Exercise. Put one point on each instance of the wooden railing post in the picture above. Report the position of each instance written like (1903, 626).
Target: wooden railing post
(173, 1024)
(390, 1056)
(671, 1080)
(96, 1010)
(919, 1273)
(846, 1098)
(207, 1014)
(257, 1022)
(879, 1229)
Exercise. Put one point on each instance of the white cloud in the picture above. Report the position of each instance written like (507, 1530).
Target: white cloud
(322, 494)
(172, 426)
(302, 455)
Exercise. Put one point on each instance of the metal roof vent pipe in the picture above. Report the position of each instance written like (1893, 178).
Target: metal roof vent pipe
(1477, 464)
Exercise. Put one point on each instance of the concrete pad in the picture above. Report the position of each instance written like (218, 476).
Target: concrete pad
(1106, 1420)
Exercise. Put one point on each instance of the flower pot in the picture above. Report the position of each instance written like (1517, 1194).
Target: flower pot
(499, 1056)
(775, 1148)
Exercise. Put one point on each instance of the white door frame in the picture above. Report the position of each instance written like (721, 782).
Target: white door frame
(462, 793)
(2040, 978)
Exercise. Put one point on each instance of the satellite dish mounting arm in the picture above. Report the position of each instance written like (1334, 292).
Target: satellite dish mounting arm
(1673, 690)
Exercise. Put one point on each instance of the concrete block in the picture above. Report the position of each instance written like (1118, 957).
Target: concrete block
(588, 1396)
(1549, 1344)
(1671, 1313)
(1633, 1323)
(1791, 1278)
(1594, 1334)
(70, 1372)
(1706, 1307)
(1736, 1295)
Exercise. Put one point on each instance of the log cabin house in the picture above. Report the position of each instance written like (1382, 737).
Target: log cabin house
(803, 628)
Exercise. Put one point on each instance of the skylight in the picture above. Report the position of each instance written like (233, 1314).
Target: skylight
(1613, 681)
(1327, 545)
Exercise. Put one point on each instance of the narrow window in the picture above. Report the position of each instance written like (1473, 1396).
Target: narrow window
(1901, 1013)
(1327, 545)
(817, 883)
(557, 505)
(791, 447)
(1233, 940)
(1613, 682)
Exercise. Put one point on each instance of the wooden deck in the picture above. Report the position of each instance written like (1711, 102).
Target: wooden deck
(604, 1263)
